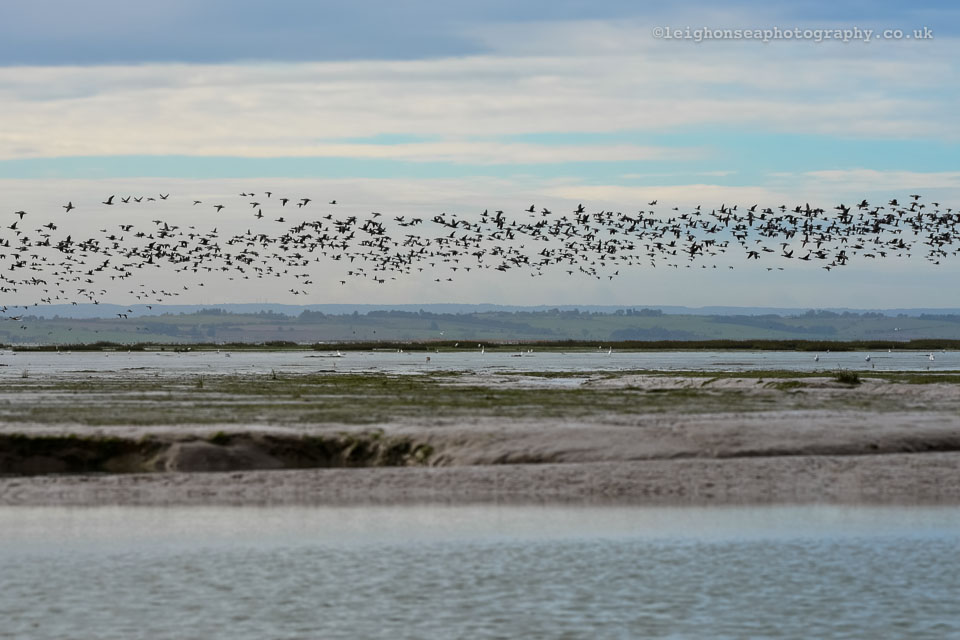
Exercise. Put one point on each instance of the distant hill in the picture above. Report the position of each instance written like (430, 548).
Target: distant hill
(351, 323)
(110, 310)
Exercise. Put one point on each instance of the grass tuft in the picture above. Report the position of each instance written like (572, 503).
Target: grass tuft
(785, 385)
(846, 376)
(219, 438)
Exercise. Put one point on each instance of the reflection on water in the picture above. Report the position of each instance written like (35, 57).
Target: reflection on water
(485, 571)
(212, 362)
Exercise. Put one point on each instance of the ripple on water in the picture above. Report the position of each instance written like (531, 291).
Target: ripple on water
(416, 572)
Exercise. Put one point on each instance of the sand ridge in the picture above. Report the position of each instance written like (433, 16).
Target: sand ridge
(929, 478)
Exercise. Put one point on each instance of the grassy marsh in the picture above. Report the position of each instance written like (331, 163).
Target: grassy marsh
(370, 398)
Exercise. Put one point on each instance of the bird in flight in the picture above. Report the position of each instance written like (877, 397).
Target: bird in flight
(446, 245)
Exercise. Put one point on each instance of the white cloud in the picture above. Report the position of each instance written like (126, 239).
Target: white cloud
(472, 152)
(872, 179)
(830, 186)
(590, 77)
(708, 195)
(669, 174)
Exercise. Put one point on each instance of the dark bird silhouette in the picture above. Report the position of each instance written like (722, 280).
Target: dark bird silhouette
(380, 248)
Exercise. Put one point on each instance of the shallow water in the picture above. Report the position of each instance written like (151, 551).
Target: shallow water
(149, 364)
(479, 572)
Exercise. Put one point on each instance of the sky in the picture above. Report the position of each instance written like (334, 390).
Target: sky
(428, 107)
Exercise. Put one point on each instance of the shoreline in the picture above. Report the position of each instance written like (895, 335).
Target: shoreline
(889, 479)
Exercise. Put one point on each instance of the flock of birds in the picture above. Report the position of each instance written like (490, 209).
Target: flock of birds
(289, 240)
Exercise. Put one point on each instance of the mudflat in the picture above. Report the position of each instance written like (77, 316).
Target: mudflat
(638, 437)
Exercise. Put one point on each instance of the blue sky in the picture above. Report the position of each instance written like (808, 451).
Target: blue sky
(558, 101)
(121, 31)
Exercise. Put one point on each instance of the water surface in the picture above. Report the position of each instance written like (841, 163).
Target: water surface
(168, 363)
(479, 572)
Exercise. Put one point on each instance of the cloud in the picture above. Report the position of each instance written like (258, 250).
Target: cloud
(709, 195)
(671, 174)
(584, 76)
(869, 179)
(828, 186)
